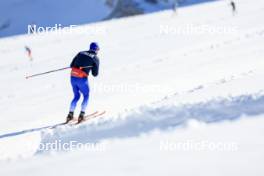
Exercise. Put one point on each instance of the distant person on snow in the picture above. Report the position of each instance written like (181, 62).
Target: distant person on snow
(233, 5)
(175, 6)
(83, 63)
(29, 53)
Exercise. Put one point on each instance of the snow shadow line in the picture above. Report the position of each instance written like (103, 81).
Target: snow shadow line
(12, 134)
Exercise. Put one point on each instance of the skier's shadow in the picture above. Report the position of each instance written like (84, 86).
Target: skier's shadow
(29, 131)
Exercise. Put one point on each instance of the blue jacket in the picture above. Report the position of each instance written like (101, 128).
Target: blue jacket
(84, 59)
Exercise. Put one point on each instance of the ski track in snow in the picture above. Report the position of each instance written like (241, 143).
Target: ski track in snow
(146, 119)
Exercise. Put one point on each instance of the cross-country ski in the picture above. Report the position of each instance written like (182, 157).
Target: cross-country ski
(74, 121)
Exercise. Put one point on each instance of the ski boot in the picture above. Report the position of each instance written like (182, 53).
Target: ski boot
(69, 117)
(81, 117)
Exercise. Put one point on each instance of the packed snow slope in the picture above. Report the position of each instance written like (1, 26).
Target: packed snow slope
(161, 80)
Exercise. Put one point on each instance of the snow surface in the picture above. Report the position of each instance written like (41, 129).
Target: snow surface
(157, 88)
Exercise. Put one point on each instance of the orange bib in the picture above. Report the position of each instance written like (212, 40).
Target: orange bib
(76, 72)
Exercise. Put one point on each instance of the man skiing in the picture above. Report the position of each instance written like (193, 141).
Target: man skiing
(83, 63)
(233, 5)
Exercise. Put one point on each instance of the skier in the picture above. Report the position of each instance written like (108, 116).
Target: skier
(175, 6)
(28, 50)
(233, 5)
(82, 64)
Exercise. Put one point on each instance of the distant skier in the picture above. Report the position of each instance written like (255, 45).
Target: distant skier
(29, 53)
(175, 6)
(233, 6)
(82, 64)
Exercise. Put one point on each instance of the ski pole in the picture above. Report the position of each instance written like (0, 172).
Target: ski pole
(51, 71)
